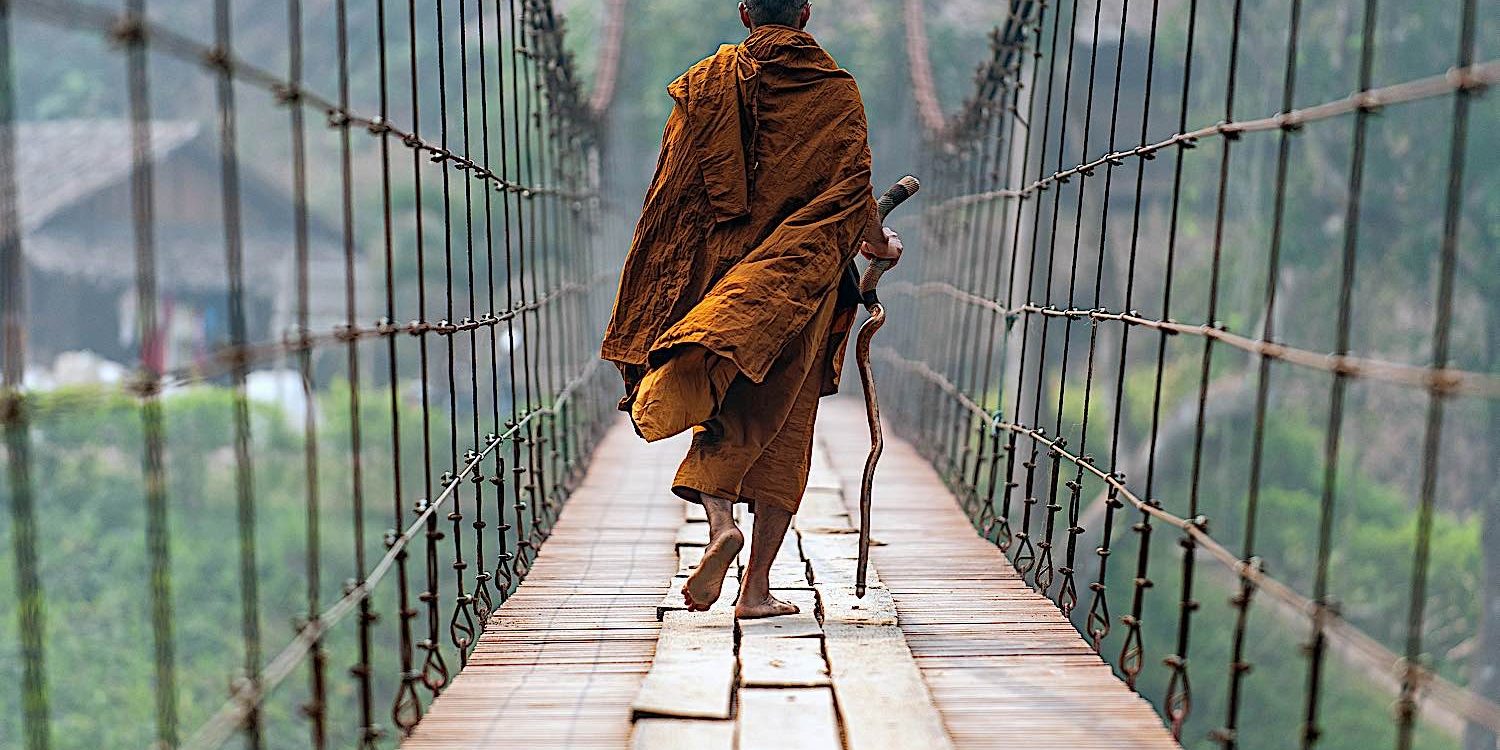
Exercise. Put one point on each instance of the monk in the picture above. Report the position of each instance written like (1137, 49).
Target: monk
(734, 304)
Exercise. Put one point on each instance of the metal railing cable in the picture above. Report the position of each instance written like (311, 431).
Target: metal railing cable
(503, 182)
(1006, 283)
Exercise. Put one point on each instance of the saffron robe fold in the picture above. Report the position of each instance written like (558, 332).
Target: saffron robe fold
(761, 196)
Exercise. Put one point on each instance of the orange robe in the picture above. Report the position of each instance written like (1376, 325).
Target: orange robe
(761, 197)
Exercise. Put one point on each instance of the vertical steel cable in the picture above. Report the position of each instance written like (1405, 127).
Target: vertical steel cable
(501, 575)
(1067, 594)
(963, 276)
(316, 709)
(980, 432)
(434, 668)
(974, 154)
(1042, 571)
(517, 561)
(480, 601)
(549, 130)
(1130, 648)
(1238, 666)
(1174, 665)
(461, 621)
(535, 436)
(152, 362)
(244, 470)
(30, 610)
(1329, 498)
(1025, 553)
(530, 296)
(1453, 199)
(965, 425)
(541, 250)
(1014, 39)
(1179, 695)
(361, 671)
(1097, 621)
(566, 333)
(1007, 536)
(528, 535)
(406, 708)
(931, 269)
(970, 431)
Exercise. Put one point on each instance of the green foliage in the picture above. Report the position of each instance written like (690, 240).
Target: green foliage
(90, 496)
(1369, 570)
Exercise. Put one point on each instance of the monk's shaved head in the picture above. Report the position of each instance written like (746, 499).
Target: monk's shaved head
(778, 12)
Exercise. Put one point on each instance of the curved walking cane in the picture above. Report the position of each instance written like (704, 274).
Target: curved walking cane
(905, 188)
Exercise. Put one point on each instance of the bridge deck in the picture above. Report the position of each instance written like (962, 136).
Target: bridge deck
(949, 649)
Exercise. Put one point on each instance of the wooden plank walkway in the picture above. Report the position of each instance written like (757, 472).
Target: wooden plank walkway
(948, 648)
(1006, 669)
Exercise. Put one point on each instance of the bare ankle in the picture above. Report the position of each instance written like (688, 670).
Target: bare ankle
(751, 592)
(720, 512)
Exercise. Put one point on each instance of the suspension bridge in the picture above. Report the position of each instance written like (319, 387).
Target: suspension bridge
(1104, 342)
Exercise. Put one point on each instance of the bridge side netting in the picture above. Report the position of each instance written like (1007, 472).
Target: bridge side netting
(333, 276)
(1181, 328)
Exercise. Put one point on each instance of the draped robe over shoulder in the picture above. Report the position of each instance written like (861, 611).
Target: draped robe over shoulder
(761, 196)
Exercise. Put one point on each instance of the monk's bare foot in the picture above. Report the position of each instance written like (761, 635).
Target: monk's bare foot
(702, 587)
(767, 606)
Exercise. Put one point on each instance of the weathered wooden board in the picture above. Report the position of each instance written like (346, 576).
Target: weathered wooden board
(841, 606)
(558, 664)
(688, 559)
(804, 624)
(816, 547)
(672, 601)
(683, 734)
(880, 691)
(774, 661)
(693, 673)
(823, 511)
(948, 648)
(788, 719)
(1002, 665)
(693, 534)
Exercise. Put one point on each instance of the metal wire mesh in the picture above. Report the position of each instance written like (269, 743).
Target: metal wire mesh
(465, 186)
(1036, 356)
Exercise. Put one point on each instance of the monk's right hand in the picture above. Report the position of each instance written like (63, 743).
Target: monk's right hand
(891, 250)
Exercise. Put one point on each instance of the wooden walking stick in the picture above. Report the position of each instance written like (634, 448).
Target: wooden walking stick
(905, 188)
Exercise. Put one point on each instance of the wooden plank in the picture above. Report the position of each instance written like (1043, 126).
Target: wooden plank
(881, 695)
(688, 559)
(841, 606)
(978, 659)
(823, 511)
(773, 661)
(672, 601)
(817, 547)
(790, 574)
(804, 624)
(559, 663)
(788, 719)
(1002, 666)
(693, 673)
(682, 734)
(693, 534)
